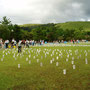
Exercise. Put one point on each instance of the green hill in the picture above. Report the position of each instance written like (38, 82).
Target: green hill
(67, 25)
(67, 31)
(75, 25)
(29, 25)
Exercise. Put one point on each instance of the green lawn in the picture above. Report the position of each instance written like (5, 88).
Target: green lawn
(41, 68)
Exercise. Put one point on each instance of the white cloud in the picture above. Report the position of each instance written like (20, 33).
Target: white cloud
(43, 11)
(88, 19)
(82, 19)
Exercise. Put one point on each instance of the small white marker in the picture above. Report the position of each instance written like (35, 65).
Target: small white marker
(18, 65)
(6, 53)
(26, 59)
(86, 54)
(37, 60)
(74, 66)
(68, 55)
(34, 57)
(72, 62)
(66, 59)
(50, 61)
(57, 63)
(57, 57)
(64, 71)
(86, 61)
(41, 64)
(1, 59)
(72, 58)
(56, 52)
(29, 61)
(53, 59)
(3, 56)
(29, 56)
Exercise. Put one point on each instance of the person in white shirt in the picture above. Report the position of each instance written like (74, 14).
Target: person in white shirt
(6, 43)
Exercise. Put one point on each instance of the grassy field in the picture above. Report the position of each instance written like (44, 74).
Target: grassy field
(43, 68)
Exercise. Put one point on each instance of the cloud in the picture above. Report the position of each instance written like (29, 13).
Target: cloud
(45, 11)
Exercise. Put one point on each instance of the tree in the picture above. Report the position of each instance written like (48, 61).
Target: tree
(5, 21)
(4, 32)
(60, 38)
(5, 28)
(17, 32)
(79, 34)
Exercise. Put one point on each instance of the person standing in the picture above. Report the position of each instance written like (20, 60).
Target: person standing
(19, 46)
(40, 42)
(27, 43)
(12, 43)
(6, 43)
(1, 42)
(73, 41)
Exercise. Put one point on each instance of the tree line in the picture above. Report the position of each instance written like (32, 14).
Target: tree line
(47, 32)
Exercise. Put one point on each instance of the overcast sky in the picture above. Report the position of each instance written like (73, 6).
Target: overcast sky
(45, 11)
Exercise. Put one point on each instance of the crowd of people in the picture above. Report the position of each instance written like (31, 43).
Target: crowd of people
(27, 43)
(19, 44)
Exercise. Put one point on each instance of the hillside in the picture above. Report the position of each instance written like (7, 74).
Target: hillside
(75, 25)
(29, 25)
(67, 25)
